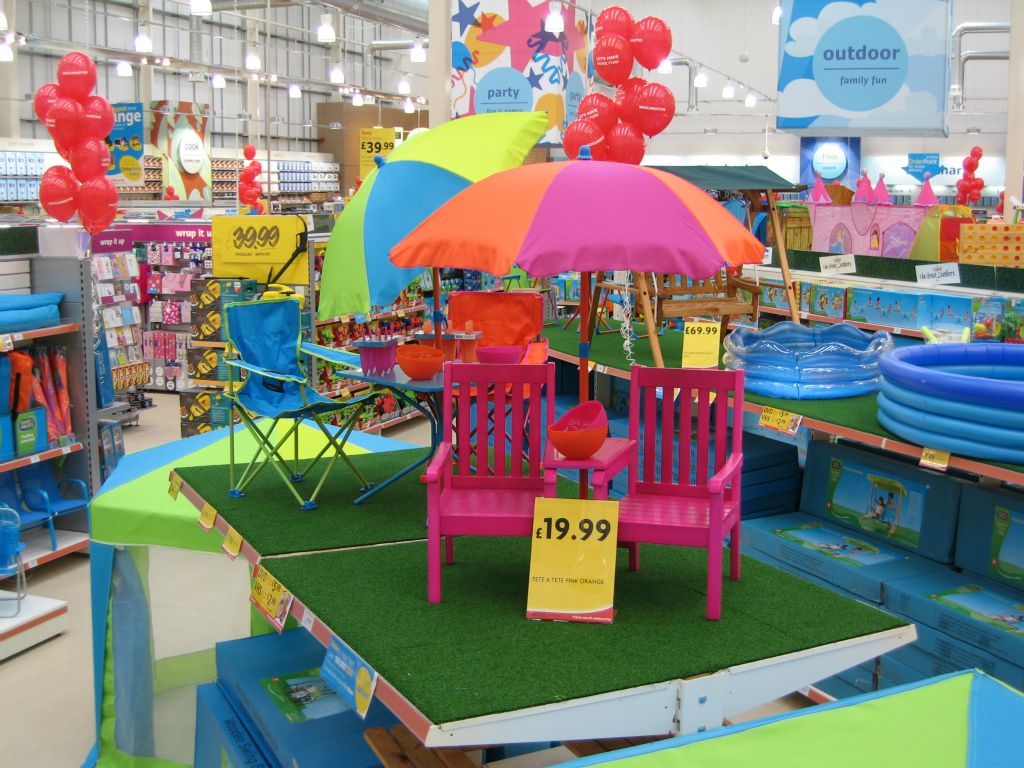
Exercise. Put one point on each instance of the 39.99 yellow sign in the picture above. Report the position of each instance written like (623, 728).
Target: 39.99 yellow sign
(373, 142)
(572, 563)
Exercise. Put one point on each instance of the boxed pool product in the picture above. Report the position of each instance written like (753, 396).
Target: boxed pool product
(30, 431)
(273, 682)
(773, 294)
(898, 309)
(889, 501)
(222, 740)
(992, 544)
(828, 300)
(988, 315)
(950, 312)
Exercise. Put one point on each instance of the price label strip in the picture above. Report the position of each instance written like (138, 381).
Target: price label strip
(701, 344)
(175, 487)
(270, 598)
(207, 517)
(349, 675)
(232, 543)
(780, 420)
(934, 459)
(572, 561)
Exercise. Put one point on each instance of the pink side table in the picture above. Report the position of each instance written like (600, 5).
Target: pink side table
(615, 455)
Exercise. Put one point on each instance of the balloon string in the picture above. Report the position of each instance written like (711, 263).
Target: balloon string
(626, 328)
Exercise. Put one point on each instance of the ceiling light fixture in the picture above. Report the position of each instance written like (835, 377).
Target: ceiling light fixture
(404, 88)
(729, 90)
(418, 54)
(665, 68)
(357, 99)
(166, 62)
(294, 92)
(201, 8)
(368, 99)
(751, 100)
(123, 69)
(337, 75)
(325, 32)
(252, 59)
(554, 23)
(3, 22)
(701, 80)
(6, 53)
(218, 81)
(143, 42)
(777, 14)
(409, 107)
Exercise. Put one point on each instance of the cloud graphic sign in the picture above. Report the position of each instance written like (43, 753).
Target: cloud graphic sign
(864, 68)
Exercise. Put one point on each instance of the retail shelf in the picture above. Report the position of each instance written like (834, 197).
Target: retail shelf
(208, 344)
(35, 458)
(392, 422)
(246, 551)
(38, 619)
(208, 383)
(8, 340)
(113, 410)
(909, 332)
(38, 550)
(351, 388)
(400, 312)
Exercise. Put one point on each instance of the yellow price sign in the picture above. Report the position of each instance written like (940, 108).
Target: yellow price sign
(934, 459)
(701, 344)
(780, 420)
(232, 543)
(572, 561)
(270, 597)
(207, 517)
(373, 142)
(175, 487)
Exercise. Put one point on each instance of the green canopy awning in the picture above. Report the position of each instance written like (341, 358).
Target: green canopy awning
(755, 177)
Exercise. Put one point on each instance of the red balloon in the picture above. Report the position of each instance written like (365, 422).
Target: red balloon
(90, 158)
(962, 184)
(65, 121)
(977, 152)
(248, 175)
(584, 133)
(614, 21)
(655, 108)
(76, 74)
(99, 117)
(58, 193)
(600, 109)
(970, 164)
(97, 200)
(257, 189)
(625, 144)
(978, 185)
(625, 99)
(44, 98)
(256, 167)
(613, 59)
(249, 151)
(95, 226)
(651, 40)
(257, 208)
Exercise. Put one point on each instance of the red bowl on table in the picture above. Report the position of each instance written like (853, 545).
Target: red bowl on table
(420, 362)
(581, 432)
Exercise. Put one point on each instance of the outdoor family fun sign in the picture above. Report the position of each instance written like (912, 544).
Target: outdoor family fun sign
(860, 68)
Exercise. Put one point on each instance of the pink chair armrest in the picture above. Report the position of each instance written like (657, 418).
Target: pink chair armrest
(726, 474)
(441, 465)
(621, 459)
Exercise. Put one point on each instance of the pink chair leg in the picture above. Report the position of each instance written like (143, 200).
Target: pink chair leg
(634, 556)
(433, 565)
(734, 552)
(449, 550)
(714, 606)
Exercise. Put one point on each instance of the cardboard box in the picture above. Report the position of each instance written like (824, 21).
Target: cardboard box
(773, 294)
(222, 740)
(215, 293)
(897, 309)
(192, 428)
(988, 317)
(207, 365)
(992, 544)
(207, 325)
(1013, 332)
(30, 431)
(205, 406)
(950, 313)
(6, 437)
(938, 653)
(828, 300)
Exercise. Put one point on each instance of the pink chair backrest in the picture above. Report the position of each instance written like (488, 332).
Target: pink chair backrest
(695, 417)
(522, 400)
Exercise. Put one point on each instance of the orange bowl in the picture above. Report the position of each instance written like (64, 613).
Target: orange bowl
(581, 432)
(419, 361)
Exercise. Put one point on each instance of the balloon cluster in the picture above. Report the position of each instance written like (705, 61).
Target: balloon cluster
(1001, 208)
(79, 123)
(249, 188)
(968, 189)
(170, 193)
(615, 129)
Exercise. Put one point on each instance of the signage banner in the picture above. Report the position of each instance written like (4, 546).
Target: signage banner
(373, 142)
(864, 69)
(572, 561)
(179, 133)
(504, 61)
(261, 247)
(123, 237)
(125, 143)
(836, 159)
(349, 675)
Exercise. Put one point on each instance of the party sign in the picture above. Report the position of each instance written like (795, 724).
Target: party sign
(179, 132)
(863, 69)
(125, 144)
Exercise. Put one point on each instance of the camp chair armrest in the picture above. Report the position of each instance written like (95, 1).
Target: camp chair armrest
(266, 372)
(727, 474)
(37, 500)
(339, 356)
(441, 464)
(76, 483)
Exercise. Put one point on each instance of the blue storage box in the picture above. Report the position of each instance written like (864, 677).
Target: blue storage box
(974, 611)
(990, 540)
(888, 501)
(946, 653)
(222, 740)
(784, 566)
(273, 681)
(950, 313)
(898, 309)
(856, 564)
(828, 300)
(30, 431)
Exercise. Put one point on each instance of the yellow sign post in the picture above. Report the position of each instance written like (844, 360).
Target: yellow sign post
(701, 344)
(261, 247)
(572, 563)
(373, 142)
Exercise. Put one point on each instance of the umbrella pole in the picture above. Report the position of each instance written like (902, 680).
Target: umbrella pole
(437, 307)
(584, 362)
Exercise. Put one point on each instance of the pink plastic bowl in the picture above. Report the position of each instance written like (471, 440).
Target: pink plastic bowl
(499, 355)
(581, 432)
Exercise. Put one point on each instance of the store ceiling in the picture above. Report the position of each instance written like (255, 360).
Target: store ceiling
(410, 15)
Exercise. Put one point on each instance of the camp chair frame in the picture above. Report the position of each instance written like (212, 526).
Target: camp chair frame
(268, 451)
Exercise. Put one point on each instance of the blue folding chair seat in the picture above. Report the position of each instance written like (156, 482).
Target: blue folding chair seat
(265, 339)
(11, 548)
(31, 517)
(40, 491)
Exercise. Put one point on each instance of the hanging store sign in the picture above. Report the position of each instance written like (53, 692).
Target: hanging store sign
(125, 143)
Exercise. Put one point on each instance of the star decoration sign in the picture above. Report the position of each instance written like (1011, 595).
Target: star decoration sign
(466, 17)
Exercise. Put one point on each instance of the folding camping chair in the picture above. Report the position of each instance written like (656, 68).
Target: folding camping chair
(264, 338)
(11, 564)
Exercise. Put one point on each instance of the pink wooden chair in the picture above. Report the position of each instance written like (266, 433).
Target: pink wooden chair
(662, 504)
(481, 487)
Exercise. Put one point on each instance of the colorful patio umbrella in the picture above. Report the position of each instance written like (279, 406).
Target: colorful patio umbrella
(417, 177)
(961, 720)
(581, 216)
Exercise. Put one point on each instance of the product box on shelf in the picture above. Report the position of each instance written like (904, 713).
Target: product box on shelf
(207, 365)
(30, 431)
(273, 681)
(1013, 330)
(773, 294)
(949, 312)
(828, 299)
(192, 428)
(898, 309)
(6, 437)
(217, 292)
(207, 325)
(222, 740)
(992, 545)
(989, 317)
(205, 405)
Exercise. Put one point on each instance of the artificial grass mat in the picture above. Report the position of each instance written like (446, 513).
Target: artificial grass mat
(270, 519)
(606, 347)
(476, 653)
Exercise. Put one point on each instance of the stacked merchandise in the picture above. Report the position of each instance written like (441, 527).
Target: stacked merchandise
(203, 410)
(117, 294)
(111, 439)
(270, 707)
(20, 174)
(37, 413)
